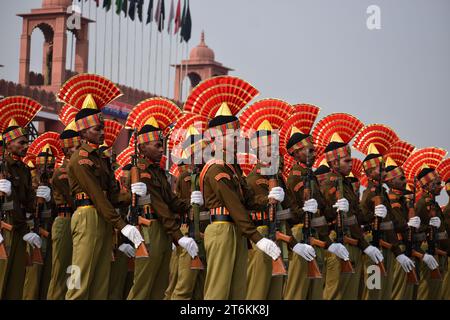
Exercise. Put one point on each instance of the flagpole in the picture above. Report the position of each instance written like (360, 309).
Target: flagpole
(118, 56)
(141, 86)
(134, 56)
(96, 37)
(181, 71)
(156, 65)
(161, 64)
(112, 38)
(176, 56)
(126, 54)
(149, 57)
(170, 58)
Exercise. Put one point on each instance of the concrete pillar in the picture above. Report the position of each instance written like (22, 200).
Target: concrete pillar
(59, 53)
(24, 60)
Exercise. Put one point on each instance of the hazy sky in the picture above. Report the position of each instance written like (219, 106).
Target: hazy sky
(317, 51)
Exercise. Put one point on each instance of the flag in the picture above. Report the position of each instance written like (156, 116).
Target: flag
(125, 7)
(183, 17)
(186, 26)
(178, 18)
(171, 17)
(132, 9)
(97, 3)
(160, 15)
(107, 4)
(149, 12)
(140, 5)
(118, 6)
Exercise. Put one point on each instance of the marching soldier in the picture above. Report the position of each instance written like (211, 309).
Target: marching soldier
(61, 234)
(16, 185)
(38, 274)
(90, 185)
(396, 180)
(433, 223)
(444, 171)
(301, 285)
(151, 276)
(377, 214)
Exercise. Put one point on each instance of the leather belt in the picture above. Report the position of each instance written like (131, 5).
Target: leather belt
(220, 214)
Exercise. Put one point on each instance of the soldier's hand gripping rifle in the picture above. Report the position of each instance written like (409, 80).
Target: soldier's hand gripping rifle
(412, 276)
(194, 226)
(376, 232)
(278, 267)
(313, 268)
(135, 216)
(346, 266)
(432, 241)
(36, 257)
(3, 224)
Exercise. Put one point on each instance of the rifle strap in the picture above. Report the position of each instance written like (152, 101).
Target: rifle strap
(385, 226)
(142, 201)
(318, 222)
(350, 221)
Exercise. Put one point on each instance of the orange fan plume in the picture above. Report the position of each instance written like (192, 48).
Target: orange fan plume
(21, 109)
(112, 131)
(52, 139)
(163, 110)
(379, 135)
(67, 114)
(275, 111)
(75, 90)
(124, 157)
(444, 169)
(346, 125)
(430, 156)
(399, 152)
(207, 97)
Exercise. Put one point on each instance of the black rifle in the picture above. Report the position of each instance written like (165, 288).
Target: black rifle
(412, 276)
(197, 262)
(3, 224)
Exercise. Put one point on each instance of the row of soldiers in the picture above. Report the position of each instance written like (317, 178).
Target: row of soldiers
(281, 220)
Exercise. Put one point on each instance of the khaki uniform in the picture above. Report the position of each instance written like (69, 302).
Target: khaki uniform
(261, 285)
(299, 286)
(190, 283)
(430, 289)
(446, 284)
(226, 196)
(338, 285)
(387, 234)
(151, 276)
(21, 201)
(92, 223)
(173, 273)
(401, 289)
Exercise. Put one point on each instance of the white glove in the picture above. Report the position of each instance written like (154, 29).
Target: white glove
(174, 247)
(435, 222)
(44, 192)
(33, 239)
(139, 188)
(5, 187)
(276, 193)
(339, 250)
(189, 245)
(414, 222)
(310, 206)
(342, 205)
(374, 254)
(132, 233)
(381, 211)
(430, 261)
(269, 247)
(406, 263)
(1, 238)
(128, 250)
(197, 198)
(305, 251)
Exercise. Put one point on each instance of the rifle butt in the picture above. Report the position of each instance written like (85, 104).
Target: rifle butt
(3, 253)
(197, 264)
(6, 226)
(144, 222)
(44, 233)
(278, 268)
(411, 277)
(346, 267)
(141, 251)
(313, 270)
(382, 269)
(130, 264)
(36, 257)
(436, 274)
(279, 236)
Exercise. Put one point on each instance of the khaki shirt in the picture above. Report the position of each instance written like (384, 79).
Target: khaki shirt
(329, 188)
(88, 172)
(61, 188)
(223, 186)
(368, 215)
(23, 195)
(295, 189)
(163, 201)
